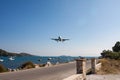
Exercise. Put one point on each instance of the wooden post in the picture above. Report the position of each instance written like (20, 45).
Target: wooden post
(93, 65)
(81, 67)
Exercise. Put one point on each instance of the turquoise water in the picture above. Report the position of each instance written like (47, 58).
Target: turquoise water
(13, 64)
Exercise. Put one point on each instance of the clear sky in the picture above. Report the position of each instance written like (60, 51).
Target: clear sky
(28, 26)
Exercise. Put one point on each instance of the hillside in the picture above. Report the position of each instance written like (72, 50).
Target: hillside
(110, 66)
(5, 53)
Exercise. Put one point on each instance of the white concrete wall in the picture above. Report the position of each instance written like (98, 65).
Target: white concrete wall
(98, 66)
(75, 77)
(48, 64)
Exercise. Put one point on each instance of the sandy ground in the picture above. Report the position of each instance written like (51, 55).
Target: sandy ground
(104, 77)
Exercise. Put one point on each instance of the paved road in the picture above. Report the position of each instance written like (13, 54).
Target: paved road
(57, 72)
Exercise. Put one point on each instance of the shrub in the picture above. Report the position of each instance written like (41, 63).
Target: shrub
(2, 69)
(41, 65)
(27, 65)
(110, 54)
(115, 54)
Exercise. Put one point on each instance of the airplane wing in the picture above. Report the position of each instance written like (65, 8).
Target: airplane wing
(65, 39)
(55, 39)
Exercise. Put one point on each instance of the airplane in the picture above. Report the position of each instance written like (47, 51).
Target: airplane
(59, 39)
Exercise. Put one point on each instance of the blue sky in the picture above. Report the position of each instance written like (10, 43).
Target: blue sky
(28, 25)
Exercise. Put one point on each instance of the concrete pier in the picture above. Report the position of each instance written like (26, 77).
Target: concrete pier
(81, 67)
(93, 65)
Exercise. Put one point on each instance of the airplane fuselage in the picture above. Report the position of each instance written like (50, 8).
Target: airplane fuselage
(60, 39)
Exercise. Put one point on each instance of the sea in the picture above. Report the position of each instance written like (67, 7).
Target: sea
(18, 61)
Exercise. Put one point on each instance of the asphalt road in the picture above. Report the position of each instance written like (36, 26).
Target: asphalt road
(57, 72)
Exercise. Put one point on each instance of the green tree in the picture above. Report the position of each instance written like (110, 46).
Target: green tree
(115, 54)
(116, 47)
(106, 53)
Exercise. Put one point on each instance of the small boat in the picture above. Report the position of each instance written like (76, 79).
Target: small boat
(1, 60)
(11, 59)
(39, 59)
(49, 58)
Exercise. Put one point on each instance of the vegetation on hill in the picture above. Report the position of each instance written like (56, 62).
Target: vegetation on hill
(109, 66)
(5, 53)
(115, 54)
(111, 60)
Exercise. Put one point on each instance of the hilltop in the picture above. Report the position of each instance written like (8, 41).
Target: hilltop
(5, 53)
